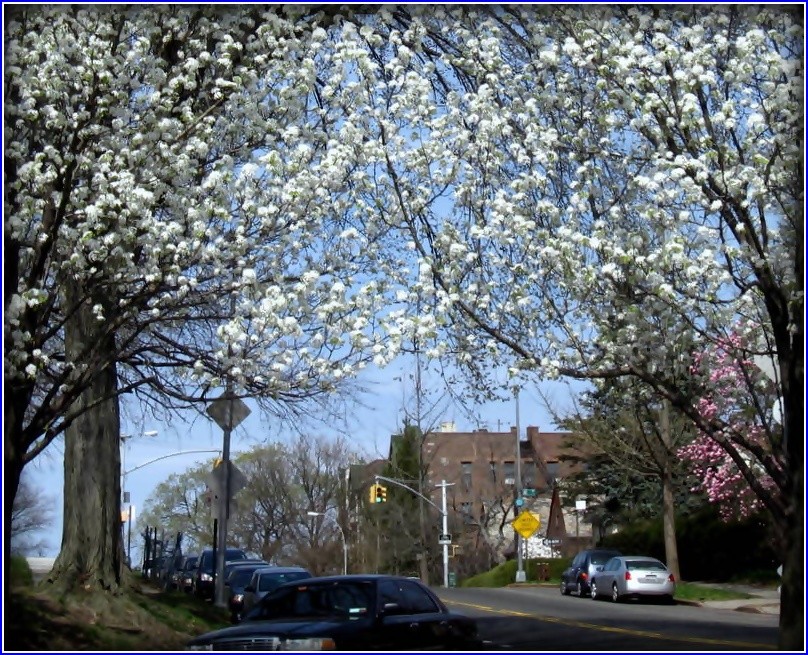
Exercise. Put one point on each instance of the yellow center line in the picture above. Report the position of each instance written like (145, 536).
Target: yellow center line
(605, 628)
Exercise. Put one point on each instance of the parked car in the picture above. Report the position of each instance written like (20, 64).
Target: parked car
(186, 582)
(236, 579)
(577, 576)
(633, 576)
(267, 579)
(205, 566)
(347, 612)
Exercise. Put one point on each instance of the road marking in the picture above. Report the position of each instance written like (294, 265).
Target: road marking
(605, 628)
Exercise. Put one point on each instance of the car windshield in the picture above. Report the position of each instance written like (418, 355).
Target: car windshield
(240, 577)
(601, 558)
(271, 581)
(342, 599)
(644, 565)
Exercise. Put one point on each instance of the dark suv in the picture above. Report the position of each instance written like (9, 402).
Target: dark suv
(583, 567)
(203, 575)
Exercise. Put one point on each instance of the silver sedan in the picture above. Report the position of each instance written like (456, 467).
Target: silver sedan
(633, 576)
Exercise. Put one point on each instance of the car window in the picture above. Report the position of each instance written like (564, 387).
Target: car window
(271, 581)
(349, 600)
(240, 578)
(418, 601)
(644, 564)
(579, 559)
(601, 558)
(389, 592)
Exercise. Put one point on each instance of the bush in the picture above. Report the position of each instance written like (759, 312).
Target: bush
(20, 572)
(710, 550)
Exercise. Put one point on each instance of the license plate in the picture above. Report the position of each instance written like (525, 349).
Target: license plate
(651, 580)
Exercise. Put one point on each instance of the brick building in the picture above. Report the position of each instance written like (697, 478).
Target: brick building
(482, 466)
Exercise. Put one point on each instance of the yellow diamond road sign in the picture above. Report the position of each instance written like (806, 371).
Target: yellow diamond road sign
(526, 524)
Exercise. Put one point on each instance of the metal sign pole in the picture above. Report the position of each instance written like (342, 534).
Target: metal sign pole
(443, 486)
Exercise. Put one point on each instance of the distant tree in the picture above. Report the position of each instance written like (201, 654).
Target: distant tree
(634, 436)
(32, 511)
(180, 504)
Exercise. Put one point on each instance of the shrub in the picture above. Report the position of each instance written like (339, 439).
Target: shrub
(709, 548)
(20, 572)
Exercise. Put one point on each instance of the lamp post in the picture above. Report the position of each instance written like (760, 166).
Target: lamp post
(125, 494)
(344, 541)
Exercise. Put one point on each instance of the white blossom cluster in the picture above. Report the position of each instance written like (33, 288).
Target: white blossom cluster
(548, 189)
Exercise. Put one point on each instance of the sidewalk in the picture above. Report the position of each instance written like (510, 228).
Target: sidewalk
(764, 600)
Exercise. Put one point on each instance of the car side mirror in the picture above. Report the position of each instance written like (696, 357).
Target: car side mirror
(249, 587)
(598, 568)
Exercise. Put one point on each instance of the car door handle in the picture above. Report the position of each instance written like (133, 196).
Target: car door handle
(414, 626)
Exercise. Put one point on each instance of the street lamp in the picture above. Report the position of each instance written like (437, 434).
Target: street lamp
(344, 541)
(125, 494)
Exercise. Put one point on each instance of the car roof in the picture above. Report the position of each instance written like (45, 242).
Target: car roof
(361, 577)
(280, 569)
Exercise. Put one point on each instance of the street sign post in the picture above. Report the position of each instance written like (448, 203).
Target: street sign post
(228, 412)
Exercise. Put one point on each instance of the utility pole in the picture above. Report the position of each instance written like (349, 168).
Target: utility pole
(520, 571)
(444, 516)
(443, 486)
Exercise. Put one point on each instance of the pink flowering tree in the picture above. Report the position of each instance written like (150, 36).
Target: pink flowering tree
(737, 406)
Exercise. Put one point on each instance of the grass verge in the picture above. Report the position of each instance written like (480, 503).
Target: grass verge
(141, 618)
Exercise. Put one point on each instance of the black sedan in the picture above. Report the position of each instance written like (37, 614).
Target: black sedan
(347, 612)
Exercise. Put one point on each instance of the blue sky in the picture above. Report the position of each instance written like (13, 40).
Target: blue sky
(370, 422)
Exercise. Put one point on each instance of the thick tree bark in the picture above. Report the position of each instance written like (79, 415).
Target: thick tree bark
(669, 525)
(91, 552)
(12, 471)
(792, 593)
(668, 505)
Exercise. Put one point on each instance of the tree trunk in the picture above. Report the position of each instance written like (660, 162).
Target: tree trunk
(792, 592)
(91, 552)
(669, 525)
(12, 471)
(668, 506)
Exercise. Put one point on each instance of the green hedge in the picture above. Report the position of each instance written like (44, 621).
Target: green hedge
(20, 572)
(505, 573)
(710, 550)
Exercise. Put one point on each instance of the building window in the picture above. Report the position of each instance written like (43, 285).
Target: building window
(552, 471)
(492, 467)
(466, 512)
(529, 474)
(465, 475)
(509, 472)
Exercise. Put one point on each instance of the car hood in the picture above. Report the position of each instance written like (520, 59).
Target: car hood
(285, 628)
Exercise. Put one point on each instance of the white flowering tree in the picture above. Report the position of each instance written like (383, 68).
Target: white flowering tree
(178, 210)
(598, 186)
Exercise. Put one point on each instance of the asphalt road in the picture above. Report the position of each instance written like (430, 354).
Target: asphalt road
(540, 618)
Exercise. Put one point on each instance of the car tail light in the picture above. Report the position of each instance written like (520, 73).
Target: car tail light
(628, 575)
(671, 578)
(584, 576)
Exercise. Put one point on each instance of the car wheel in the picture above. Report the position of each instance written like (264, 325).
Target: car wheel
(579, 589)
(615, 593)
(564, 590)
(593, 590)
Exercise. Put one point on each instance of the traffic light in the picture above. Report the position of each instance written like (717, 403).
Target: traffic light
(374, 493)
(381, 493)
